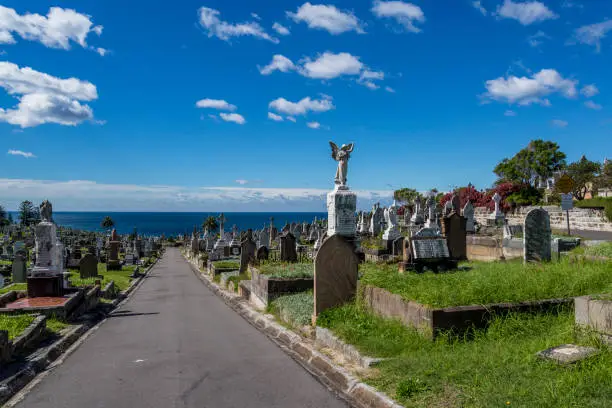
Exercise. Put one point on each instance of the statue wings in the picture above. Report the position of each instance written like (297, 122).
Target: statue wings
(335, 150)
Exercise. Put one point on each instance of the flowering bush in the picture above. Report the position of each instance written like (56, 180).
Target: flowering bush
(512, 194)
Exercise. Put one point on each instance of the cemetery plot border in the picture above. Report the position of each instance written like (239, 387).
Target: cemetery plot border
(432, 321)
(267, 288)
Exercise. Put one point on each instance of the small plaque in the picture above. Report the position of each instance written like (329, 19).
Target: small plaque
(430, 249)
(567, 202)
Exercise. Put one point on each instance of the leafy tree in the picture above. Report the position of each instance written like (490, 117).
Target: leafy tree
(3, 220)
(107, 222)
(27, 213)
(585, 174)
(210, 223)
(10, 218)
(605, 179)
(406, 195)
(538, 161)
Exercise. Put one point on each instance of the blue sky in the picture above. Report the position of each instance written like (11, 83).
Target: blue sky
(99, 99)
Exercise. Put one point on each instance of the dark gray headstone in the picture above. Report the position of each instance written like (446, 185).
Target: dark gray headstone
(88, 266)
(247, 251)
(19, 269)
(288, 252)
(430, 248)
(537, 236)
(263, 253)
(455, 229)
(335, 273)
(397, 247)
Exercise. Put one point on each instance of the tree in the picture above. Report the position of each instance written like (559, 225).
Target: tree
(406, 195)
(585, 174)
(107, 222)
(27, 214)
(3, 220)
(210, 223)
(537, 162)
(605, 179)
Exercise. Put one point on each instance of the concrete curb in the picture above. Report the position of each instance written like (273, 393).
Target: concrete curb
(336, 378)
(53, 355)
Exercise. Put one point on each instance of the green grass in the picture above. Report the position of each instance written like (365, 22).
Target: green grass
(597, 202)
(496, 368)
(226, 265)
(603, 249)
(373, 243)
(494, 282)
(121, 278)
(281, 270)
(295, 310)
(14, 286)
(15, 324)
(55, 326)
(5, 262)
(237, 279)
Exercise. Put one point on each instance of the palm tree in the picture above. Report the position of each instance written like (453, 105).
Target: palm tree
(107, 223)
(210, 223)
(3, 220)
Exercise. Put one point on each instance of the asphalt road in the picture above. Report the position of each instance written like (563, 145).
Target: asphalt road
(175, 344)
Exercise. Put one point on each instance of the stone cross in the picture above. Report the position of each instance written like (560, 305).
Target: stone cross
(221, 223)
(497, 199)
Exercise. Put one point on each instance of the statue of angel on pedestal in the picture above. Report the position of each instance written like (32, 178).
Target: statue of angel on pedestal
(342, 156)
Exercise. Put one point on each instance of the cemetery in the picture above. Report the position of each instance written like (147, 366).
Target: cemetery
(434, 294)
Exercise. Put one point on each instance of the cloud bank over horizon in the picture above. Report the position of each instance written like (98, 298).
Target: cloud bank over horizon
(84, 195)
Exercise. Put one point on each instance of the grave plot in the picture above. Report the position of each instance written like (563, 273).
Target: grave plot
(121, 278)
(460, 300)
(274, 279)
(218, 267)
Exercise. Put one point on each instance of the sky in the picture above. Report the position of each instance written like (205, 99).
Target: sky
(230, 105)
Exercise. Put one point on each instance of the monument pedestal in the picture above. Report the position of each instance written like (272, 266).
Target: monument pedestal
(45, 286)
(341, 208)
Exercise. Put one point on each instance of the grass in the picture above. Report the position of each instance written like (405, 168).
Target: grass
(283, 270)
(597, 202)
(604, 249)
(5, 262)
(373, 243)
(14, 286)
(121, 278)
(497, 368)
(237, 279)
(494, 282)
(15, 324)
(226, 265)
(295, 310)
(55, 326)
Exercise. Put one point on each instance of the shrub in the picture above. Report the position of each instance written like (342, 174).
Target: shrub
(597, 202)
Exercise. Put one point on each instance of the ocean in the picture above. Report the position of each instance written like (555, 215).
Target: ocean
(174, 223)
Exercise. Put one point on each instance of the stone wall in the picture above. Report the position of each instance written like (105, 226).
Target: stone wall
(580, 218)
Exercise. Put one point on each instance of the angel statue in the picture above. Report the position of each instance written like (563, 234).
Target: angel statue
(46, 211)
(342, 156)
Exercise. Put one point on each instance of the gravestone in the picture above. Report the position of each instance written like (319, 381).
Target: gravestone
(88, 266)
(19, 269)
(454, 227)
(288, 251)
(129, 259)
(536, 236)
(398, 245)
(113, 248)
(335, 273)
(427, 248)
(263, 253)
(247, 251)
(264, 238)
(456, 203)
(468, 214)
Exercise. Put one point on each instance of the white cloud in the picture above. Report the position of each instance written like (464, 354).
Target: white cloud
(102, 51)
(406, 14)
(280, 29)
(592, 105)
(44, 98)
(79, 195)
(58, 29)
(592, 34)
(509, 113)
(527, 12)
(278, 63)
(215, 27)
(313, 125)
(291, 119)
(330, 65)
(327, 17)
(255, 16)
(219, 104)
(27, 155)
(242, 182)
(478, 6)
(559, 123)
(525, 91)
(536, 39)
(367, 78)
(389, 89)
(302, 107)
(275, 117)
(571, 4)
(233, 117)
(589, 90)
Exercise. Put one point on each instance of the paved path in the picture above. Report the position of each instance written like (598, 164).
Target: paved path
(176, 344)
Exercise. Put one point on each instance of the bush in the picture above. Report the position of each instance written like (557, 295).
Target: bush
(597, 202)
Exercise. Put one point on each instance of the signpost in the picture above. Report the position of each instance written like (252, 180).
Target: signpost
(565, 185)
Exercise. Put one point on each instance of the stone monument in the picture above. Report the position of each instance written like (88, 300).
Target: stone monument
(341, 202)
(247, 251)
(88, 266)
(417, 217)
(288, 252)
(220, 245)
(19, 269)
(468, 214)
(113, 262)
(497, 216)
(391, 232)
(45, 279)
